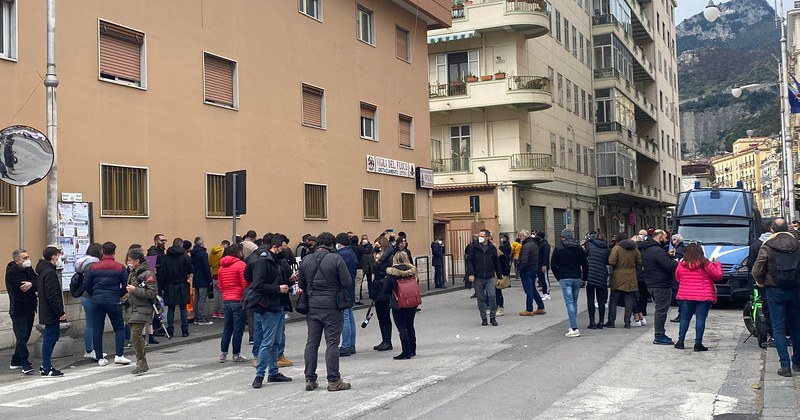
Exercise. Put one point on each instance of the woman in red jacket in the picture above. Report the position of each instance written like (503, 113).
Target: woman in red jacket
(231, 285)
(696, 293)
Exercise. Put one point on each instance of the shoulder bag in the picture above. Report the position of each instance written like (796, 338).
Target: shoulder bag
(302, 302)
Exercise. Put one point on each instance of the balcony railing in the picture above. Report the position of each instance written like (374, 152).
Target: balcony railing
(447, 89)
(529, 83)
(604, 20)
(451, 165)
(608, 73)
(604, 127)
(458, 12)
(526, 6)
(531, 161)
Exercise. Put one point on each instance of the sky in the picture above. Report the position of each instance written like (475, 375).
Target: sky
(689, 8)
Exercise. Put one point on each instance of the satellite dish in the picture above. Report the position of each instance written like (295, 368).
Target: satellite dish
(26, 155)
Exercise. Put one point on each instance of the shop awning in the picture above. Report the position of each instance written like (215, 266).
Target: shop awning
(451, 37)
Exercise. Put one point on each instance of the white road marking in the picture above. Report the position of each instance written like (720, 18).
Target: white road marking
(112, 403)
(390, 396)
(27, 385)
(81, 389)
(195, 403)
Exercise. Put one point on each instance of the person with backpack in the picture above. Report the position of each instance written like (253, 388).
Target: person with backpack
(401, 277)
(776, 269)
(141, 289)
(93, 254)
(21, 287)
(696, 292)
(177, 268)
(544, 264)
(597, 253)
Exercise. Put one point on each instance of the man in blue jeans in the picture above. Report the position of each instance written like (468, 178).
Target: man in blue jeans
(51, 305)
(571, 269)
(776, 269)
(528, 266)
(106, 283)
(344, 249)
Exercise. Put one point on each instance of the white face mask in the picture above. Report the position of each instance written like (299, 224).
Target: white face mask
(26, 264)
(338, 247)
(439, 242)
(481, 240)
(60, 263)
(130, 267)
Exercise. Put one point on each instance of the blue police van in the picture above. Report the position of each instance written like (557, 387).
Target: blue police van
(725, 221)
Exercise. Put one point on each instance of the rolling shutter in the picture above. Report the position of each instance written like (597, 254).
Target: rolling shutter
(402, 44)
(558, 222)
(312, 106)
(219, 75)
(537, 218)
(404, 130)
(120, 53)
(368, 111)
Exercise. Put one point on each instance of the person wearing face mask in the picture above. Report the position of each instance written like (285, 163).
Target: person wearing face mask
(437, 260)
(106, 283)
(141, 290)
(381, 293)
(344, 250)
(158, 249)
(21, 287)
(483, 267)
(658, 270)
(51, 305)
(367, 265)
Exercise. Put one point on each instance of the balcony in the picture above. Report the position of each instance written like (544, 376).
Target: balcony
(608, 24)
(642, 28)
(523, 167)
(611, 78)
(646, 150)
(530, 93)
(527, 17)
(627, 191)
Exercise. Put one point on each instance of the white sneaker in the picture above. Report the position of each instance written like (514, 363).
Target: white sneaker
(546, 296)
(206, 323)
(91, 355)
(499, 312)
(102, 362)
(121, 360)
(573, 333)
(636, 323)
(644, 321)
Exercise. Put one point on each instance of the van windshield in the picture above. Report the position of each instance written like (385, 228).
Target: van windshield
(716, 235)
(720, 202)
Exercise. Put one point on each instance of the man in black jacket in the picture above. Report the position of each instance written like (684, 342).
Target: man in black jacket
(324, 276)
(51, 305)
(158, 249)
(571, 269)
(544, 264)
(270, 284)
(367, 265)
(657, 272)
(437, 261)
(483, 268)
(528, 267)
(21, 287)
(177, 268)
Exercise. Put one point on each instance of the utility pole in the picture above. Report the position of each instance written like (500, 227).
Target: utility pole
(51, 82)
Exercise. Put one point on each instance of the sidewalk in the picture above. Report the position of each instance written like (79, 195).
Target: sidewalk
(197, 334)
(780, 394)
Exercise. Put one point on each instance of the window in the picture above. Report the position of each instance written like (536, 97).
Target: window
(316, 201)
(583, 48)
(569, 95)
(121, 54)
(560, 90)
(580, 158)
(219, 81)
(8, 198)
(583, 104)
(576, 100)
(553, 148)
(570, 153)
(586, 159)
(592, 172)
(558, 26)
(313, 106)
(566, 34)
(371, 200)
(551, 77)
(574, 42)
(403, 44)
(591, 108)
(409, 204)
(368, 126)
(405, 131)
(8, 29)
(312, 8)
(562, 151)
(366, 25)
(460, 146)
(589, 53)
(124, 191)
(215, 195)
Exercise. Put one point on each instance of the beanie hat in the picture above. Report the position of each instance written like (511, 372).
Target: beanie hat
(187, 245)
(566, 234)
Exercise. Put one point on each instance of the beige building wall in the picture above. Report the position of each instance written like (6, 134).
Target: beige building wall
(168, 129)
(744, 164)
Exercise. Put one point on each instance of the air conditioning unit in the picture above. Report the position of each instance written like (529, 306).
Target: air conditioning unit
(602, 210)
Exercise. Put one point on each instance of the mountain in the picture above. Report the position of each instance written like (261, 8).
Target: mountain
(738, 48)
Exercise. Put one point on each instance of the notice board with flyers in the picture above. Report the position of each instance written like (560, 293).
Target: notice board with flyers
(75, 234)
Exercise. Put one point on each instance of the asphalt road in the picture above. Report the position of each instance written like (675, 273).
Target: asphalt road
(525, 368)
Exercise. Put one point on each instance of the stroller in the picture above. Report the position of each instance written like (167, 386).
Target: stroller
(161, 309)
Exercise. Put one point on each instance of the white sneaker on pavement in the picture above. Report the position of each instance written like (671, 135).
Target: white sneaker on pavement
(644, 321)
(546, 296)
(102, 362)
(636, 323)
(573, 333)
(121, 360)
(499, 312)
(91, 355)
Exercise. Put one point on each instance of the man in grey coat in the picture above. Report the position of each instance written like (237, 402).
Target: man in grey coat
(324, 276)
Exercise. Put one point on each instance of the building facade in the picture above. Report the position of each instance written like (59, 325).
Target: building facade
(316, 99)
(747, 164)
(572, 120)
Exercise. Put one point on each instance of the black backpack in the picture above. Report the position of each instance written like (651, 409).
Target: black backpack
(76, 285)
(786, 268)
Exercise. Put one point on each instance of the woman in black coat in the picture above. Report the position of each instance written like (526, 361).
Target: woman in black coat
(380, 291)
(403, 317)
(597, 252)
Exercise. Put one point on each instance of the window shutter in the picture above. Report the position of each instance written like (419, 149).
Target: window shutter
(404, 130)
(312, 106)
(402, 44)
(219, 80)
(367, 111)
(120, 53)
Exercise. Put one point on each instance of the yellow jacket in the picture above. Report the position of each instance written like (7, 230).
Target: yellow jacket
(213, 259)
(516, 247)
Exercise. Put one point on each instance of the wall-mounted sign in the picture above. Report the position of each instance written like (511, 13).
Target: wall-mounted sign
(71, 197)
(424, 178)
(385, 166)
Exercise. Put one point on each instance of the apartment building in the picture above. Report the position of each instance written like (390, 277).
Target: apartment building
(579, 131)
(754, 164)
(321, 101)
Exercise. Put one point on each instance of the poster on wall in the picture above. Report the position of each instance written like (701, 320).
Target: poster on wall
(74, 235)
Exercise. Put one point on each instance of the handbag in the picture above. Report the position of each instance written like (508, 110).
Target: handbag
(503, 283)
(302, 302)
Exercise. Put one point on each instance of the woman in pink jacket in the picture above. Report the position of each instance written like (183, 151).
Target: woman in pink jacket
(696, 293)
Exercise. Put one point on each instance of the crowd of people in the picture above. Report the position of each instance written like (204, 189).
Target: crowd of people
(248, 283)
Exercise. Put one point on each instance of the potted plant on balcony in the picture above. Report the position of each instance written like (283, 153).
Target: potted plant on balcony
(486, 78)
(458, 4)
(471, 78)
(467, 2)
(500, 75)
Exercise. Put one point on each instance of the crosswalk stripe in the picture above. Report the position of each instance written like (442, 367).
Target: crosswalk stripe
(81, 389)
(112, 403)
(31, 383)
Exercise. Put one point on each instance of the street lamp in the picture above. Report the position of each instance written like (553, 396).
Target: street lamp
(483, 169)
(736, 92)
(711, 12)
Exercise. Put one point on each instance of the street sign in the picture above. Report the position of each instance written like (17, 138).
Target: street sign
(236, 192)
(474, 204)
